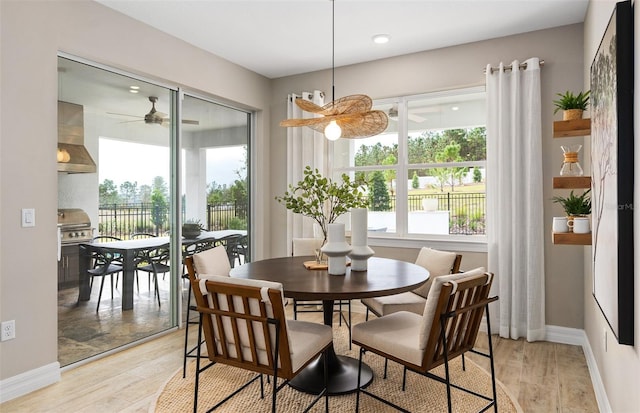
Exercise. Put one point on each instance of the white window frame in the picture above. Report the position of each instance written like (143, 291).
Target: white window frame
(401, 238)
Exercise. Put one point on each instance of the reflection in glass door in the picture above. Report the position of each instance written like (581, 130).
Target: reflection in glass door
(215, 185)
(124, 125)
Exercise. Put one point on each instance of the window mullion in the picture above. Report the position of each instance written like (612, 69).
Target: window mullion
(402, 192)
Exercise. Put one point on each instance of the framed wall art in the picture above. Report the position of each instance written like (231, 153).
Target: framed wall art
(612, 173)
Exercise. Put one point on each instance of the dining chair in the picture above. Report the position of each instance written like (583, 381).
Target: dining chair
(438, 263)
(206, 262)
(230, 242)
(154, 261)
(447, 328)
(309, 246)
(142, 235)
(115, 259)
(105, 264)
(244, 326)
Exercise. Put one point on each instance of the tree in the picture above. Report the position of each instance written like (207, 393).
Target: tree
(379, 199)
(144, 194)
(129, 191)
(477, 175)
(108, 193)
(161, 186)
(415, 182)
(159, 209)
(390, 174)
(451, 153)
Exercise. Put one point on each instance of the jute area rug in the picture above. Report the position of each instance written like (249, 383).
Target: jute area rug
(421, 395)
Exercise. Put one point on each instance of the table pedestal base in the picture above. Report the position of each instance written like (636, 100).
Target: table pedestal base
(343, 375)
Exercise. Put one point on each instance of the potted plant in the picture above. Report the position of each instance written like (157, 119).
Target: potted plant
(575, 206)
(191, 228)
(572, 105)
(323, 199)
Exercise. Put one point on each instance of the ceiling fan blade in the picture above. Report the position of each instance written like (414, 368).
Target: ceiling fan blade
(124, 114)
(166, 121)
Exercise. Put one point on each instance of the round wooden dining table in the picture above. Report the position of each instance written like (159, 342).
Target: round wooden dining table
(383, 277)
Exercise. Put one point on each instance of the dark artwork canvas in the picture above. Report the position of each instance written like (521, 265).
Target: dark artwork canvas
(612, 173)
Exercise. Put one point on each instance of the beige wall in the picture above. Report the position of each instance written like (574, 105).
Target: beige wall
(456, 67)
(619, 365)
(31, 35)
(33, 32)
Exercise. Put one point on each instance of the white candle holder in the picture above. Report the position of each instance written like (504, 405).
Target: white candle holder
(360, 251)
(336, 249)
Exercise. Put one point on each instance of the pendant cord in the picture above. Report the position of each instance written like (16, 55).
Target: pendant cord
(333, 51)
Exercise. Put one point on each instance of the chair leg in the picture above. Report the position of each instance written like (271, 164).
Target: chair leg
(186, 334)
(100, 294)
(359, 375)
(295, 309)
(386, 363)
(493, 371)
(366, 315)
(155, 278)
(404, 378)
(326, 381)
(197, 383)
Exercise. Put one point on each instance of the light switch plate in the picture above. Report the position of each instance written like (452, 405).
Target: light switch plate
(28, 217)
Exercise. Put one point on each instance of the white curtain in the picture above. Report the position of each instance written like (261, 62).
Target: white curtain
(305, 147)
(514, 199)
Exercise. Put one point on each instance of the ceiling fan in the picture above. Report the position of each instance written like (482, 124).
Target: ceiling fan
(155, 117)
(412, 113)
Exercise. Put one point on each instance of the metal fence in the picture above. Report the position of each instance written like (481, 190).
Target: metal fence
(467, 211)
(122, 220)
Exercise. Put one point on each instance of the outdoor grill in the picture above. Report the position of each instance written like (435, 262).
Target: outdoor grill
(75, 226)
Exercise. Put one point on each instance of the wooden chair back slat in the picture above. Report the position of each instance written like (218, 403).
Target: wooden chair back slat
(457, 318)
(234, 306)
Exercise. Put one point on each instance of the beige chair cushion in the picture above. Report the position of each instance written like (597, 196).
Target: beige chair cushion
(397, 334)
(432, 300)
(305, 338)
(213, 261)
(437, 262)
(305, 246)
(408, 301)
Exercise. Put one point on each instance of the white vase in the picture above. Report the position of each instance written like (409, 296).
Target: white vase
(360, 251)
(336, 249)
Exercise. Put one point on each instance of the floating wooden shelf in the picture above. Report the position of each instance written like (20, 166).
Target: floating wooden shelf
(571, 128)
(567, 182)
(569, 238)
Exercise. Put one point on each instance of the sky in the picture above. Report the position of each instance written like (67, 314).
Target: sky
(125, 161)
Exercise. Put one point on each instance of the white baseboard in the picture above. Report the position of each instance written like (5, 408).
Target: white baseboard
(29, 381)
(598, 385)
(578, 337)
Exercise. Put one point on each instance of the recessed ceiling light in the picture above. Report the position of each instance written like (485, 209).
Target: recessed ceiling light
(134, 87)
(381, 38)
(133, 91)
(454, 108)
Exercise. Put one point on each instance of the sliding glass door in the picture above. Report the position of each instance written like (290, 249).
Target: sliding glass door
(155, 167)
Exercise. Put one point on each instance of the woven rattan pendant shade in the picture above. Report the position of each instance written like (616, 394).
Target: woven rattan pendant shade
(352, 113)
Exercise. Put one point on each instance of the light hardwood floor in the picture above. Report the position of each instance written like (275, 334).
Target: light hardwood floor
(544, 377)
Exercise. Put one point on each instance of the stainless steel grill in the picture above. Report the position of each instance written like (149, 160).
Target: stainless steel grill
(74, 225)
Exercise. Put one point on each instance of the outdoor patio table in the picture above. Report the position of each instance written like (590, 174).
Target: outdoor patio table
(129, 250)
(384, 277)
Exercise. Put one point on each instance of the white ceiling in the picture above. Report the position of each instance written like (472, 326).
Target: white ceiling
(286, 37)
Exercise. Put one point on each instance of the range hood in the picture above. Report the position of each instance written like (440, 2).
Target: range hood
(73, 157)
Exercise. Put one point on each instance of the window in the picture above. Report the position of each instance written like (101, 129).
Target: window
(426, 172)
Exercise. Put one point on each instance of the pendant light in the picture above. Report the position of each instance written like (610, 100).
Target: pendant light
(349, 117)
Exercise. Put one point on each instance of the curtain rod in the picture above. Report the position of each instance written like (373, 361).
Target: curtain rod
(522, 66)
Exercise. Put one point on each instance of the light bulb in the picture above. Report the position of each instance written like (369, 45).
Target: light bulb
(332, 131)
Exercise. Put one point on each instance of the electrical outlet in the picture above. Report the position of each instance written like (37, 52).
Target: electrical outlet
(8, 330)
